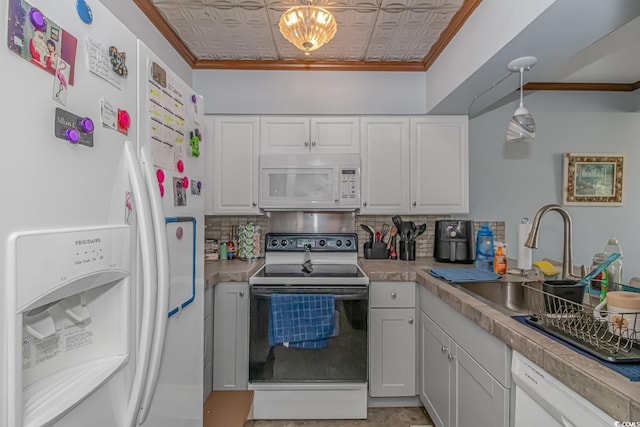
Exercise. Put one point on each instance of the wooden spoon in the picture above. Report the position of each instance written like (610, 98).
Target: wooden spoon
(392, 233)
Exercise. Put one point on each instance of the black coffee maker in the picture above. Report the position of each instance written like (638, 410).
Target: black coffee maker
(454, 241)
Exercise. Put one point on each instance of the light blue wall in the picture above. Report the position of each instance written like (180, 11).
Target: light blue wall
(311, 92)
(513, 181)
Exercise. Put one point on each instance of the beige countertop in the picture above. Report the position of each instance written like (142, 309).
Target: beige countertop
(232, 270)
(610, 391)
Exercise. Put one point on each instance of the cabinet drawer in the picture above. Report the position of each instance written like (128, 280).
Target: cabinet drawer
(392, 294)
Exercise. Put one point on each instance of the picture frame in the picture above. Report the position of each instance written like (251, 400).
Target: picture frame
(593, 179)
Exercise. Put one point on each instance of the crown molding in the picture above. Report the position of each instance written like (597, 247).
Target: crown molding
(448, 33)
(165, 29)
(209, 64)
(592, 87)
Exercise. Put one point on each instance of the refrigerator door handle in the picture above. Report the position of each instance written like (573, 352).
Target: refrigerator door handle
(149, 278)
(162, 305)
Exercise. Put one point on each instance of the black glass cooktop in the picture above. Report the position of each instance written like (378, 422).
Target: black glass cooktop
(317, 270)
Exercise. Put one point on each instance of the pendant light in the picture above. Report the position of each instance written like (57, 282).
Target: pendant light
(307, 27)
(521, 126)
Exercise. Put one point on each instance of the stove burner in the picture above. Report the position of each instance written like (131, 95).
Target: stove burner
(317, 271)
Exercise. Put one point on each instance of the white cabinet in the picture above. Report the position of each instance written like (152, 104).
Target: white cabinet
(440, 165)
(385, 168)
(232, 186)
(231, 336)
(299, 135)
(459, 389)
(416, 165)
(208, 343)
(392, 340)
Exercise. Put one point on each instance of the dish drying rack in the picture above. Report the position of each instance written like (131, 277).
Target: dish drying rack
(585, 327)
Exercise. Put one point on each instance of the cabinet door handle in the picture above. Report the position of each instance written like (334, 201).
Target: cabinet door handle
(415, 203)
(411, 321)
(313, 143)
(444, 349)
(241, 294)
(306, 143)
(393, 295)
(254, 204)
(364, 203)
(451, 356)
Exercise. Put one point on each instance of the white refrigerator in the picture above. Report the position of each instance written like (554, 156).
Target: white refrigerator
(96, 266)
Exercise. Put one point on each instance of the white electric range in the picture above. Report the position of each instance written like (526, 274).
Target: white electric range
(292, 382)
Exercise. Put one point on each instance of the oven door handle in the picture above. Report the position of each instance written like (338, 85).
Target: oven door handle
(337, 297)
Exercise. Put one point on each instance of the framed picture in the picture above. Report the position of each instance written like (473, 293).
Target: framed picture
(593, 179)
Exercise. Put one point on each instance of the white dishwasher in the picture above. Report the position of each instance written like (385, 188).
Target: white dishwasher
(542, 400)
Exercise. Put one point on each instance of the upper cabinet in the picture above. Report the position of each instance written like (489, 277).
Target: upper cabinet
(385, 157)
(299, 135)
(440, 165)
(233, 180)
(416, 165)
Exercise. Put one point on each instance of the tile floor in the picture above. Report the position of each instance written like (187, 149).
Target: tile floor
(376, 417)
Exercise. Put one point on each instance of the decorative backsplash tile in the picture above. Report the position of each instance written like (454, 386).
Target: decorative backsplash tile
(219, 228)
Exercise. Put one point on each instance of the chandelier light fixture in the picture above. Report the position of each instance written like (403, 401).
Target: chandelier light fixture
(307, 27)
(521, 126)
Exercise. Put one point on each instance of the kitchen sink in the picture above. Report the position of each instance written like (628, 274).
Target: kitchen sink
(508, 297)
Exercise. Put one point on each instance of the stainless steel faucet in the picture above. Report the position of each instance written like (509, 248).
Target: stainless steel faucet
(567, 251)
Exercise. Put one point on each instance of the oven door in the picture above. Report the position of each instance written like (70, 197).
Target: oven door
(344, 359)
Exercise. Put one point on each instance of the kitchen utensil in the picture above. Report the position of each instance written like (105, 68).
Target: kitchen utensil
(397, 221)
(368, 230)
(419, 230)
(383, 231)
(392, 234)
(406, 231)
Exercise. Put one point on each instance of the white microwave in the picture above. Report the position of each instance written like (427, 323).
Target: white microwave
(309, 182)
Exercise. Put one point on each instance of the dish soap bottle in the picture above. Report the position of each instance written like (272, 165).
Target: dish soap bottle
(615, 269)
(484, 248)
(500, 262)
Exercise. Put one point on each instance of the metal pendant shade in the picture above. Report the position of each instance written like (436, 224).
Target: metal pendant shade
(307, 27)
(521, 127)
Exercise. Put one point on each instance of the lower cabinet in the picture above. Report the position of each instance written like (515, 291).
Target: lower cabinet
(456, 389)
(392, 339)
(231, 336)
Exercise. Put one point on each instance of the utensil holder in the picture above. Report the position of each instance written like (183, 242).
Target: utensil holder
(375, 250)
(407, 250)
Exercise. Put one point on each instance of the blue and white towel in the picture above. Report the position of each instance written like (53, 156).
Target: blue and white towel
(301, 320)
(464, 274)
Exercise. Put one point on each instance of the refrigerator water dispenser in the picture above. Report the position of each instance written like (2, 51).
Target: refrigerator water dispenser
(70, 295)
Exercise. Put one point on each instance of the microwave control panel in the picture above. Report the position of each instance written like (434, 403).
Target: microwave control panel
(349, 183)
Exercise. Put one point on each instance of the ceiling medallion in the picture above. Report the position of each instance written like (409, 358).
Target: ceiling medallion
(307, 27)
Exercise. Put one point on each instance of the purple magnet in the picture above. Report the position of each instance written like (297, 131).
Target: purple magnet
(72, 135)
(194, 99)
(185, 182)
(161, 187)
(179, 232)
(199, 185)
(37, 19)
(160, 176)
(180, 166)
(86, 125)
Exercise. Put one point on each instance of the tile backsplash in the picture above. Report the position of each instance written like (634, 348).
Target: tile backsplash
(219, 228)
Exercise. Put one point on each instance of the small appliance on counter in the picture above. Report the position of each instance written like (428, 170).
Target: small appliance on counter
(454, 241)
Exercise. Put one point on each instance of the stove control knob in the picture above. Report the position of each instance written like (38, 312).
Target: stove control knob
(283, 242)
(274, 243)
(348, 243)
(322, 242)
(338, 243)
